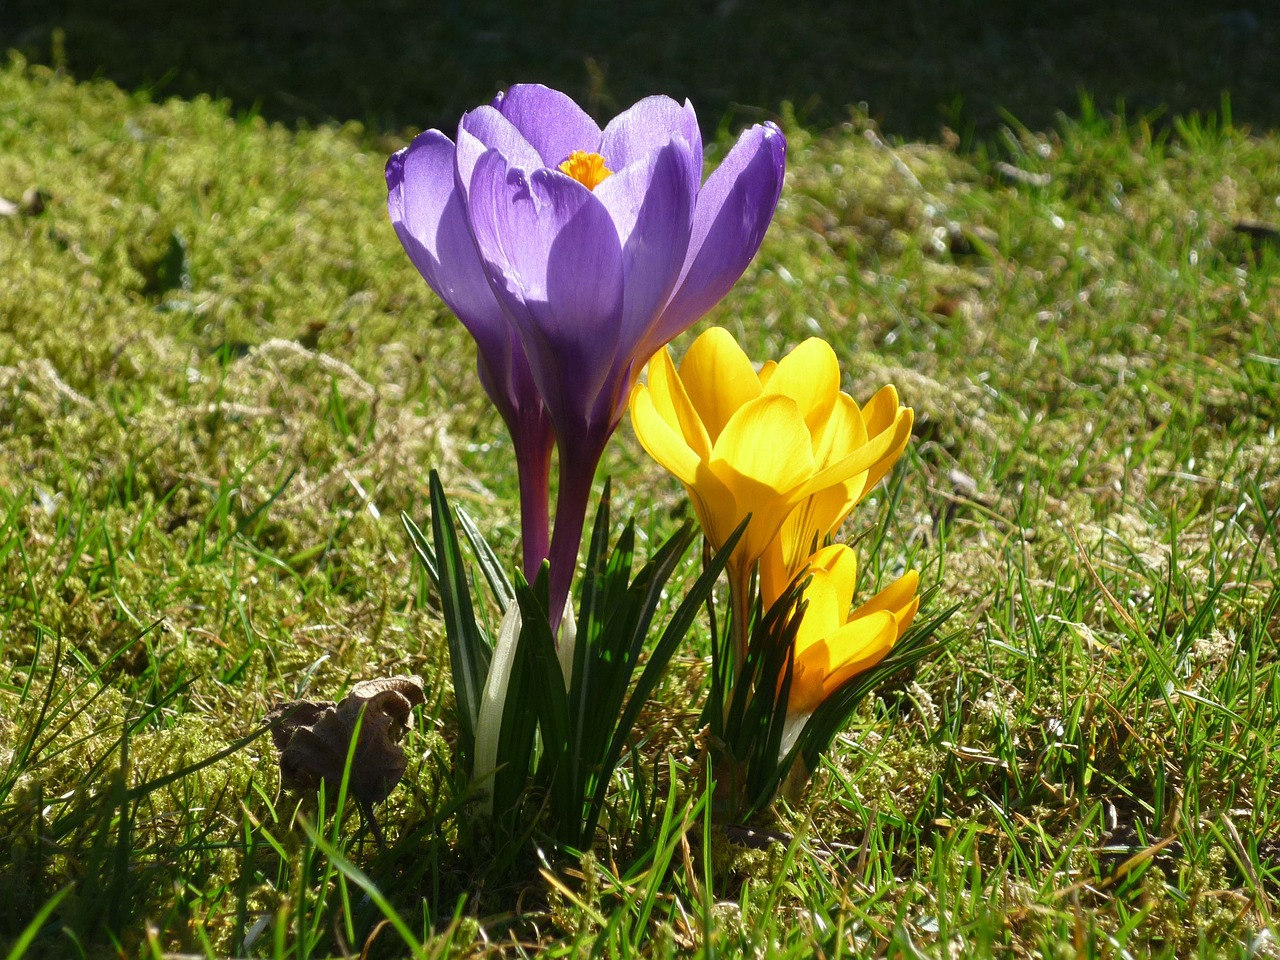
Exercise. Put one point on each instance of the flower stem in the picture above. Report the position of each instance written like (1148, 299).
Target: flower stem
(577, 470)
(533, 467)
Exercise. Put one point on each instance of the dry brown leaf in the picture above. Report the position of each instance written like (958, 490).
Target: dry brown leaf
(314, 738)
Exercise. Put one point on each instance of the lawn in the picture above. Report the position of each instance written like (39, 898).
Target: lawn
(222, 381)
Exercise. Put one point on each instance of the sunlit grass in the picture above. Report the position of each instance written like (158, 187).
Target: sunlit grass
(221, 380)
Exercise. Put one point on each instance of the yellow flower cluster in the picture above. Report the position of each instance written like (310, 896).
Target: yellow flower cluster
(785, 445)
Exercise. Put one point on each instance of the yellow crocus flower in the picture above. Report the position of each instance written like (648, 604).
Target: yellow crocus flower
(832, 645)
(762, 443)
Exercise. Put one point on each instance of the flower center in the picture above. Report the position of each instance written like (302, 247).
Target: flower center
(587, 168)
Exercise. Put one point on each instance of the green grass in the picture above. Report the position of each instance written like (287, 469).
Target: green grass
(221, 380)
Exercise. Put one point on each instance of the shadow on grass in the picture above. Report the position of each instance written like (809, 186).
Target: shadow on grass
(917, 64)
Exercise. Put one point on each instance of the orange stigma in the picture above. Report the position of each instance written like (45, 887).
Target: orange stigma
(587, 168)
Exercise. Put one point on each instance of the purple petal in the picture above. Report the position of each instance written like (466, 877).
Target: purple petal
(430, 219)
(484, 128)
(733, 212)
(554, 260)
(550, 121)
(647, 126)
(651, 204)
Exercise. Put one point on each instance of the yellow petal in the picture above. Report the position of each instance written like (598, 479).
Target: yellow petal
(775, 571)
(881, 409)
(841, 433)
(766, 442)
(858, 646)
(672, 402)
(832, 573)
(807, 675)
(809, 374)
(788, 553)
(822, 667)
(762, 456)
(905, 615)
(887, 444)
(839, 561)
(885, 464)
(824, 612)
(816, 519)
(661, 439)
(718, 378)
(831, 506)
(899, 598)
(717, 511)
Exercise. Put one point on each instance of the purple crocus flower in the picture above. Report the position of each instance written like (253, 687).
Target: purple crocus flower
(597, 246)
(430, 218)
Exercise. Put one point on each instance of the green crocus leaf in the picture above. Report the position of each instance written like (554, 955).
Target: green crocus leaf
(469, 647)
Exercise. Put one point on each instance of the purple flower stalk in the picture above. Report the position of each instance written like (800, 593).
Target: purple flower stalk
(572, 254)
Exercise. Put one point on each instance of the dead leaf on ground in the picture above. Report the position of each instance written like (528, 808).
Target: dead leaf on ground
(314, 738)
